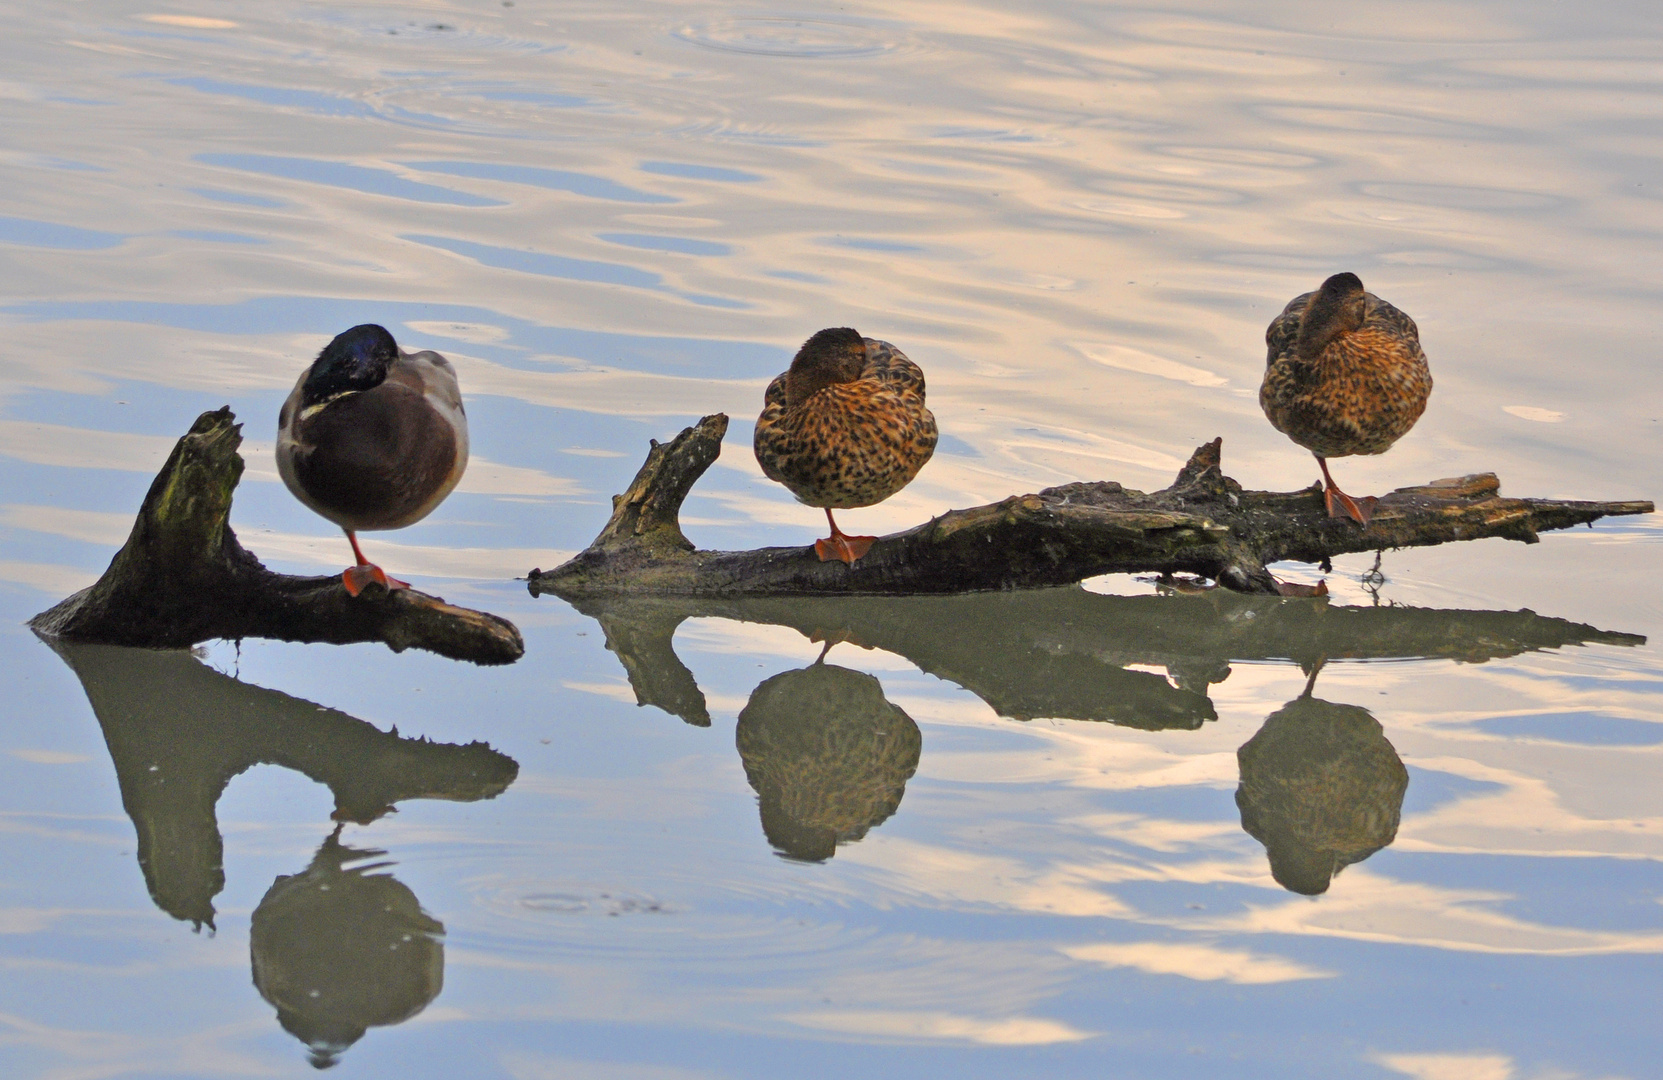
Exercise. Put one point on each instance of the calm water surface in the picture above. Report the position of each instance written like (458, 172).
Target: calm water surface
(1099, 832)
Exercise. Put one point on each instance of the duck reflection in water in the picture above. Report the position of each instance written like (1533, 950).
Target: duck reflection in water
(827, 755)
(1321, 788)
(340, 948)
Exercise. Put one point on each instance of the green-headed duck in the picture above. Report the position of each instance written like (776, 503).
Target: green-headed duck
(372, 437)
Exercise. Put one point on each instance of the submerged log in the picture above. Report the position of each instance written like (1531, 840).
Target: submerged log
(1204, 523)
(182, 578)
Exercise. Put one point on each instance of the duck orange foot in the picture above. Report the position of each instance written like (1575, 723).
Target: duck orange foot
(847, 548)
(357, 577)
(1342, 505)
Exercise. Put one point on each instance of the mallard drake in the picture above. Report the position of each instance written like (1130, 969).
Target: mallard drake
(845, 427)
(1345, 375)
(372, 437)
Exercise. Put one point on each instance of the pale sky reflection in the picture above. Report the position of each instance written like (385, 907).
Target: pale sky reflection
(1195, 960)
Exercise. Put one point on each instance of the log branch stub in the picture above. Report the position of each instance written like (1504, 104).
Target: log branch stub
(182, 577)
(1204, 523)
(648, 514)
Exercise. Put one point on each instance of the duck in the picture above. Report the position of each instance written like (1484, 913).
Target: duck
(372, 438)
(845, 427)
(1345, 375)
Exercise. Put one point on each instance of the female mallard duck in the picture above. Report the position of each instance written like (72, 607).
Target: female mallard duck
(846, 426)
(372, 437)
(1345, 375)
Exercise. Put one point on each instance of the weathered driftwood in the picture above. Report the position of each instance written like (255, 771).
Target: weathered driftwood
(183, 578)
(1073, 654)
(1204, 524)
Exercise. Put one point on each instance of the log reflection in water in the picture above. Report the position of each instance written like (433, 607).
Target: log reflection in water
(1068, 653)
(339, 949)
(178, 731)
(1321, 788)
(827, 755)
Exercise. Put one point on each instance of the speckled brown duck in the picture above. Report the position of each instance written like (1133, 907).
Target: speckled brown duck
(372, 437)
(1345, 375)
(845, 427)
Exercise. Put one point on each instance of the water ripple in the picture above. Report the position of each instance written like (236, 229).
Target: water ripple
(804, 37)
(352, 177)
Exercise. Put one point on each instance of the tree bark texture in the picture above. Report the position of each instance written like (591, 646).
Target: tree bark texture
(182, 578)
(1205, 523)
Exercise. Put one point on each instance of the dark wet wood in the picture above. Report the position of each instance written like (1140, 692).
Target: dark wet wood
(182, 578)
(1205, 524)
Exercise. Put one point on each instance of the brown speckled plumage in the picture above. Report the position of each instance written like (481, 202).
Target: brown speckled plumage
(851, 443)
(1359, 395)
(1345, 375)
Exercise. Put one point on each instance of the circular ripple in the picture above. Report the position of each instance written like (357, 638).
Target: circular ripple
(817, 38)
(589, 902)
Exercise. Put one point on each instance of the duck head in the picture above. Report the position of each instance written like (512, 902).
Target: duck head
(1337, 308)
(357, 359)
(835, 355)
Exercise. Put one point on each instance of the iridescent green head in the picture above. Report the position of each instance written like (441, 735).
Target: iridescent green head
(357, 359)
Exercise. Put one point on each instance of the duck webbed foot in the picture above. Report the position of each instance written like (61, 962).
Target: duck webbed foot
(357, 577)
(840, 546)
(1340, 504)
(847, 548)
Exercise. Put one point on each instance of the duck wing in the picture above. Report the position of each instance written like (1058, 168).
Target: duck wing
(774, 396)
(1381, 313)
(771, 442)
(1283, 331)
(379, 459)
(890, 366)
